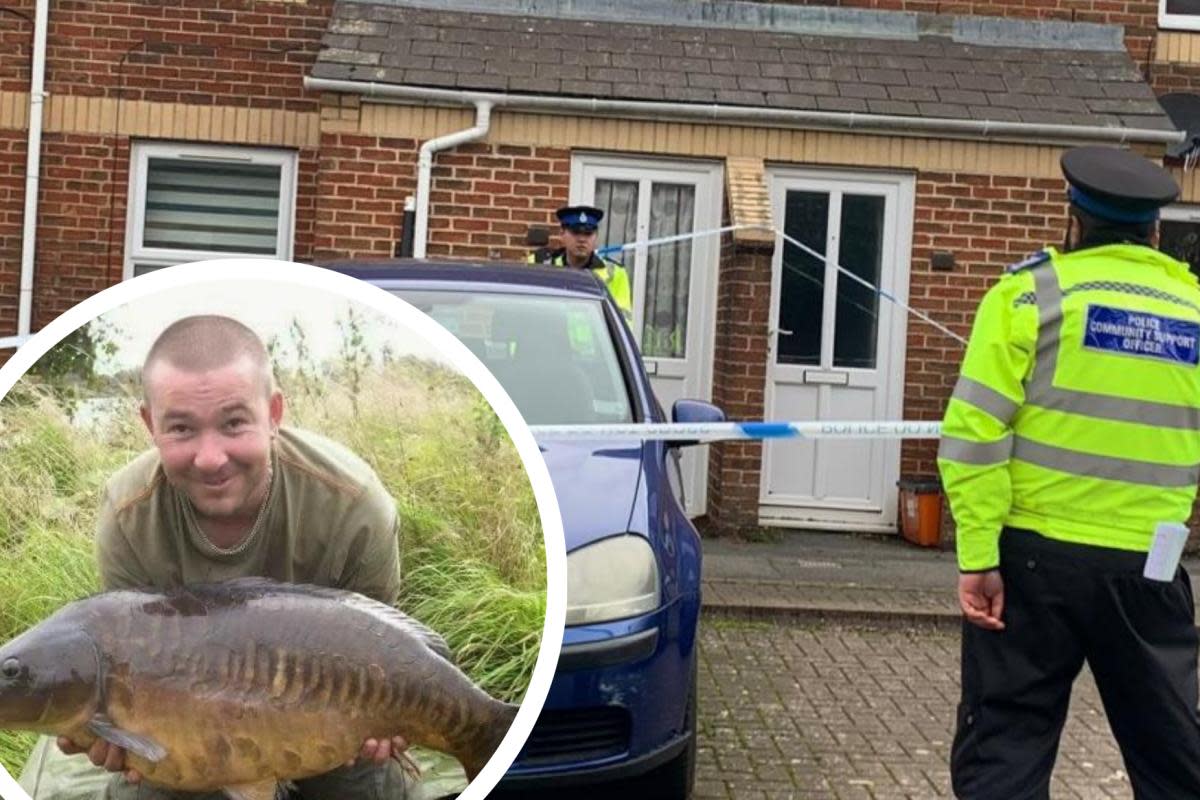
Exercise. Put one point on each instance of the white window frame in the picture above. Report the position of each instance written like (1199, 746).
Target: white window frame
(1184, 22)
(142, 152)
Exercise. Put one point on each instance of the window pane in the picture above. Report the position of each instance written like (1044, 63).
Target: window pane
(554, 356)
(1183, 6)
(1181, 240)
(220, 207)
(802, 291)
(668, 271)
(861, 253)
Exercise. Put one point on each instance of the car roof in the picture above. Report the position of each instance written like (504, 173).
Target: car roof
(507, 276)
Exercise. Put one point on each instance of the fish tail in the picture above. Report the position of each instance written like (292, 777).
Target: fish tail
(489, 739)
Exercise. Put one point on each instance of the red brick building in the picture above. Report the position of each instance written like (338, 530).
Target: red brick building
(914, 140)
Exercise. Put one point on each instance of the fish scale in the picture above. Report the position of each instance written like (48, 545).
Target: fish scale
(243, 683)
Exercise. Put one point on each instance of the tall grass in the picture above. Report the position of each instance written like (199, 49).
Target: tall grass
(471, 543)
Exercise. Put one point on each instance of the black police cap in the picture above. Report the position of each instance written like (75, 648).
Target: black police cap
(1117, 185)
(580, 217)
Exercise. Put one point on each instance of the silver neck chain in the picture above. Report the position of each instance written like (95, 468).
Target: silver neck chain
(211, 549)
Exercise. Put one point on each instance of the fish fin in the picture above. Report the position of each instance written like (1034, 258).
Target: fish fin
(103, 726)
(393, 616)
(264, 790)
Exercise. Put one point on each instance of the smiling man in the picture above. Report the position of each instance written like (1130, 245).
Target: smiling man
(228, 492)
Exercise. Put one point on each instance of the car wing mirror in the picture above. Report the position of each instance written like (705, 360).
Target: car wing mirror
(693, 412)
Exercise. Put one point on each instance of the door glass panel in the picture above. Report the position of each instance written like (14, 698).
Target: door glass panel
(668, 271)
(802, 287)
(861, 253)
(619, 202)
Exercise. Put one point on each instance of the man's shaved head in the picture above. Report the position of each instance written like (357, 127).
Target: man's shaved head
(206, 342)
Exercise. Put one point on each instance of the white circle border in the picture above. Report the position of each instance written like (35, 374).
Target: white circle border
(241, 270)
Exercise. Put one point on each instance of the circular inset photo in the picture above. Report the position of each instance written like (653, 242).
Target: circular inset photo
(267, 531)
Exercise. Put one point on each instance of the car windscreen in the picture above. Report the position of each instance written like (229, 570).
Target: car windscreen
(553, 355)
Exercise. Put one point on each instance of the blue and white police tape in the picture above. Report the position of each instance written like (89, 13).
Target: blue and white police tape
(729, 431)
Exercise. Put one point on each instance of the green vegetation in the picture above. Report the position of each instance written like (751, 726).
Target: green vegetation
(472, 552)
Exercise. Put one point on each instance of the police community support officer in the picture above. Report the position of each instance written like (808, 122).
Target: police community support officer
(579, 251)
(1071, 433)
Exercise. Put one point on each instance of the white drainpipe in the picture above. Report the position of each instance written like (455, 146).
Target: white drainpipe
(37, 97)
(483, 121)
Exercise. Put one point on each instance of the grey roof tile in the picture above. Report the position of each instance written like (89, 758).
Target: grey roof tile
(813, 87)
(701, 80)
(867, 91)
(739, 98)
(913, 93)
(538, 85)
(707, 50)
(841, 104)
(982, 83)
(406, 61)
(762, 84)
(889, 77)
(931, 76)
(951, 110)
(901, 108)
(785, 71)
(962, 96)
(995, 113)
(937, 79)
(791, 100)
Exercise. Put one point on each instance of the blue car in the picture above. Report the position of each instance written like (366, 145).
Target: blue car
(622, 705)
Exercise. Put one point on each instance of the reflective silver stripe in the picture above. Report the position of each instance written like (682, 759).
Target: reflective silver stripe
(1049, 305)
(1120, 409)
(1107, 467)
(984, 398)
(1042, 393)
(980, 453)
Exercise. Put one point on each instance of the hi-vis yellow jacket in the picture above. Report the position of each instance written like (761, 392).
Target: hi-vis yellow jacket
(613, 275)
(1077, 412)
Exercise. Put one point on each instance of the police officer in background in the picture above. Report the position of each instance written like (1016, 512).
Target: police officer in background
(1071, 435)
(578, 236)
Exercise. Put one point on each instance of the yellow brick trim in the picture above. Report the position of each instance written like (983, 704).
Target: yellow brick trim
(749, 201)
(1177, 47)
(702, 140)
(107, 116)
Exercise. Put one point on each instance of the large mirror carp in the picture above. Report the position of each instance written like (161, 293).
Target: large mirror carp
(242, 684)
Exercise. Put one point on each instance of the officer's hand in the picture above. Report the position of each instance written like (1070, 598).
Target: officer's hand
(380, 750)
(981, 596)
(102, 754)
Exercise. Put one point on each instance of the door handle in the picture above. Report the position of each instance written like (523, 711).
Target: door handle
(784, 331)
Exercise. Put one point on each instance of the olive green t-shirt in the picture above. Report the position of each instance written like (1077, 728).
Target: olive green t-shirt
(328, 521)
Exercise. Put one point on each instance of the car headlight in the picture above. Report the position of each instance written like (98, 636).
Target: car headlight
(611, 579)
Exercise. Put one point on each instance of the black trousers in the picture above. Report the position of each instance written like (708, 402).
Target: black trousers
(1064, 603)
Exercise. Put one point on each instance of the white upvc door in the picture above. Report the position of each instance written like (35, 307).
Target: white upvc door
(674, 284)
(837, 348)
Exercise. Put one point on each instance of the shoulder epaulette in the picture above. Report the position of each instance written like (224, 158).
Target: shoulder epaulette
(1040, 257)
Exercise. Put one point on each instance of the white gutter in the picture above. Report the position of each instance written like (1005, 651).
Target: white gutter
(755, 116)
(483, 120)
(37, 98)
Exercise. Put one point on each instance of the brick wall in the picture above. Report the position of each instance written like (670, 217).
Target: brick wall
(485, 197)
(16, 43)
(245, 53)
(358, 197)
(739, 380)
(12, 200)
(81, 217)
(987, 222)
